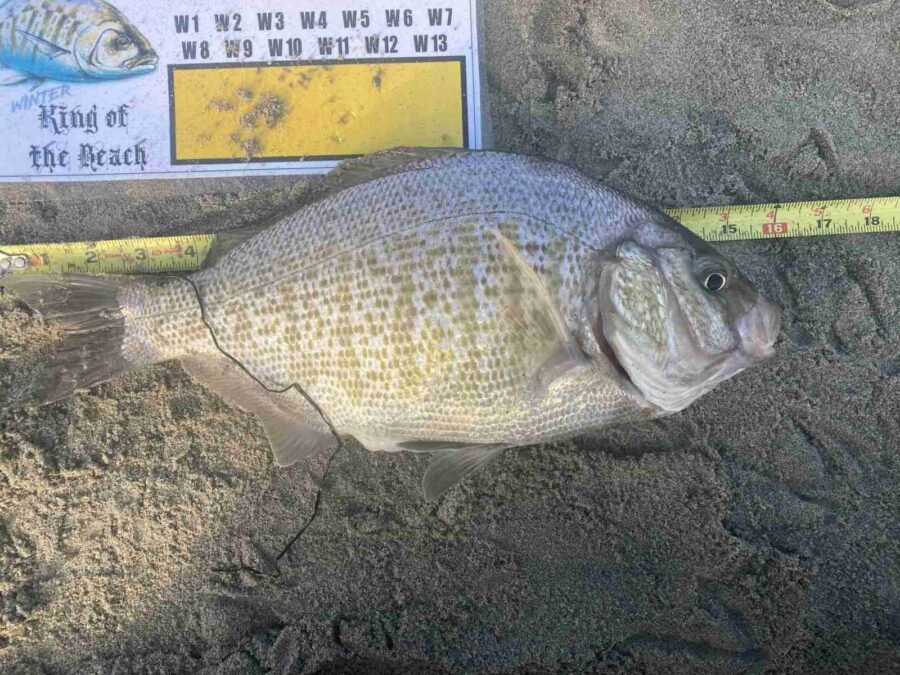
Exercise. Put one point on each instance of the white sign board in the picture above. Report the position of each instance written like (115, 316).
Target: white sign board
(154, 89)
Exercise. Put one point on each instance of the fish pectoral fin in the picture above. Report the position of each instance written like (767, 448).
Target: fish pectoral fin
(450, 465)
(50, 49)
(294, 428)
(533, 315)
(12, 76)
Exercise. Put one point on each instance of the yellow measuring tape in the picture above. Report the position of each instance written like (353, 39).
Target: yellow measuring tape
(184, 253)
(145, 255)
(794, 219)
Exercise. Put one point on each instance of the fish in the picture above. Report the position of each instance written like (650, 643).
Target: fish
(447, 301)
(77, 41)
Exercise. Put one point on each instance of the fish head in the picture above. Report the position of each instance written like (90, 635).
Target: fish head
(676, 318)
(113, 49)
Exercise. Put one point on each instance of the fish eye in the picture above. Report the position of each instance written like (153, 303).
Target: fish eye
(122, 41)
(715, 281)
(713, 273)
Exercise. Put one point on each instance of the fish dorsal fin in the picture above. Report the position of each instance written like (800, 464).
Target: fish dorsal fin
(353, 172)
(292, 425)
(536, 317)
(448, 467)
(10, 76)
(49, 49)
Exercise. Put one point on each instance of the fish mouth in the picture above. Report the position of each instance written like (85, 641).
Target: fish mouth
(149, 60)
(759, 329)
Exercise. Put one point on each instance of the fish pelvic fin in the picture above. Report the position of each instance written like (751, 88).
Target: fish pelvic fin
(9, 76)
(294, 428)
(87, 310)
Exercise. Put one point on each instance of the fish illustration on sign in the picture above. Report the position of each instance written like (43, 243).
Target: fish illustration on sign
(443, 301)
(82, 41)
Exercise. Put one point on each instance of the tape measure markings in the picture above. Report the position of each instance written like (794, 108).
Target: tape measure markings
(146, 255)
(791, 219)
(185, 253)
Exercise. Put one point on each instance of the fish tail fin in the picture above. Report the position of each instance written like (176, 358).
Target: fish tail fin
(90, 315)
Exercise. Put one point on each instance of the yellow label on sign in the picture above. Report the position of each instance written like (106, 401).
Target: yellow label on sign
(320, 110)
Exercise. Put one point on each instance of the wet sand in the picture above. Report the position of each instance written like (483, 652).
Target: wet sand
(757, 531)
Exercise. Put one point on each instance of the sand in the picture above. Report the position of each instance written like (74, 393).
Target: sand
(756, 531)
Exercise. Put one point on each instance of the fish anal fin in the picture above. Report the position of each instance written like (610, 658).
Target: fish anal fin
(534, 314)
(291, 440)
(292, 425)
(449, 466)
